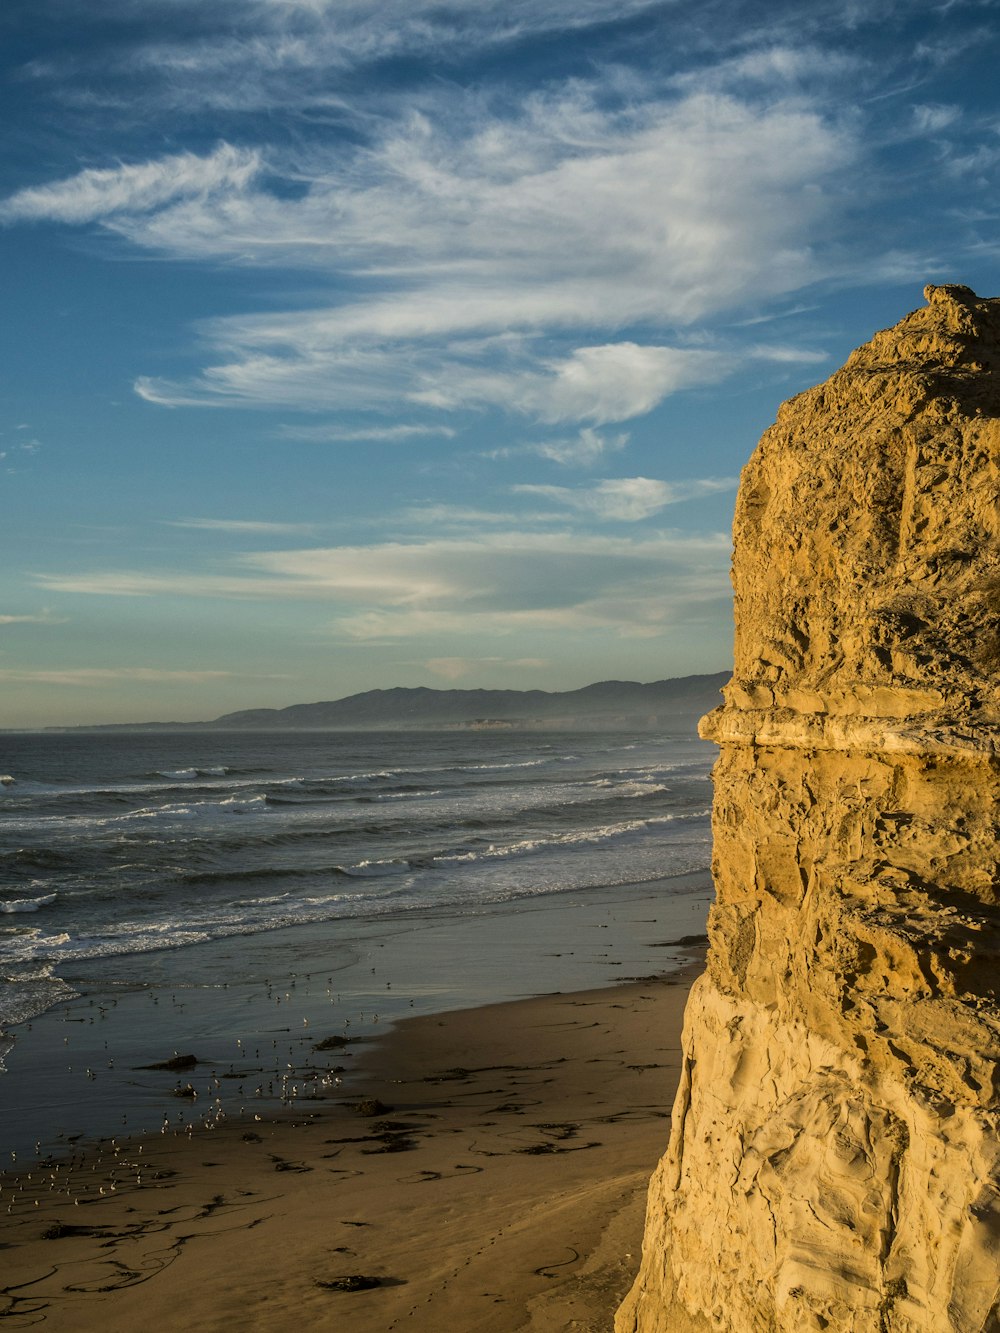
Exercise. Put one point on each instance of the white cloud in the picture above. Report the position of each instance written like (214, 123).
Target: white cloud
(270, 51)
(95, 676)
(785, 354)
(770, 67)
(331, 434)
(237, 525)
(583, 450)
(454, 668)
(619, 381)
(482, 584)
(563, 223)
(935, 117)
(42, 618)
(434, 517)
(629, 499)
(608, 383)
(648, 611)
(142, 188)
(140, 583)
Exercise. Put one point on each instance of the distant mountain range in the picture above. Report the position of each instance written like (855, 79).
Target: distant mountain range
(606, 705)
(610, 702)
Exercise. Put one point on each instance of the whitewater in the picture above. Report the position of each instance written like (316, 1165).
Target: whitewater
(145, 863)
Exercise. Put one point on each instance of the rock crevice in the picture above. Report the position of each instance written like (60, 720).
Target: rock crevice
(834, 1162)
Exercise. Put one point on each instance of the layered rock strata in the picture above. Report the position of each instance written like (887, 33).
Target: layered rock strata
(834, 1160)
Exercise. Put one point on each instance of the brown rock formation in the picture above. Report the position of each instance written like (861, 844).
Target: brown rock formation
(834, 1161)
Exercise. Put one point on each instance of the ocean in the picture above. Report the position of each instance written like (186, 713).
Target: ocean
(203, 869)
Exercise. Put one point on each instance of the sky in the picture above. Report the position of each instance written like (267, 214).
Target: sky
(352, 344)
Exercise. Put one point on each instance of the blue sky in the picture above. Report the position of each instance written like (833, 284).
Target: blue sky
(353, 344)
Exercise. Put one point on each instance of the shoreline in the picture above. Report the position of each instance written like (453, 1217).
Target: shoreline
(251, 1010)
(487, 1171)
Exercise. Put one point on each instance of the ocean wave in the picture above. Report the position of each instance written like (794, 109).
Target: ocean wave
(248, 875)
(27, 904)
(31, 945)
(472, 851)
(26, 995)
(499, 768)
(239, 804)
(145, 814)
(388, 865)
(126, 938)
(211, 771)
(630, 787)
(59, 797)
(155, 844)
(574, 837)
(35, 858)
(36, 972)
(7, 781)
(365, 869)
(396, 896)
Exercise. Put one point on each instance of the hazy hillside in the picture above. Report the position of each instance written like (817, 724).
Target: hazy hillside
(608, 703)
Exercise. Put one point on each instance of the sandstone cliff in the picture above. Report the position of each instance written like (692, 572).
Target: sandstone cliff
(834, 1160)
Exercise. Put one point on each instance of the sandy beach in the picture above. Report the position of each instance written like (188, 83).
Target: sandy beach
(485, 1170)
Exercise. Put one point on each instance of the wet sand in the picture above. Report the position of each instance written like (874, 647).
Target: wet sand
(486, 1171)
(251, 1008)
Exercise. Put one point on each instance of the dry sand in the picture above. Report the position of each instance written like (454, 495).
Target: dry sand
(487, 1172)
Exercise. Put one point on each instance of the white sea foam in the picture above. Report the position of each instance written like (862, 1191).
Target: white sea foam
(209, 771)
(607, 833)
(390, 865)
(26, 994)
(129, 866)
(185, 810)
(499, 768)
(27, 904)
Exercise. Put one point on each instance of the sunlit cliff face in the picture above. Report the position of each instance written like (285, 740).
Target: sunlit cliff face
(834, 1160)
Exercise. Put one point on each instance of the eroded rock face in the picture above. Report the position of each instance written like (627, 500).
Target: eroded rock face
(834, 1161)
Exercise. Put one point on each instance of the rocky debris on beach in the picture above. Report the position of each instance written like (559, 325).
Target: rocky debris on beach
(834, 1161)
(350, 1282)
(334, 1043)
(175, 1064)
(369, 1106)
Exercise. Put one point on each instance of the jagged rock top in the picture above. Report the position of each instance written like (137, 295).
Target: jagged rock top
(867, 534)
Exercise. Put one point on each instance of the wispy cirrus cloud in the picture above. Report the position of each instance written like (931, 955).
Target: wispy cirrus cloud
(260, 527)
(438, 516)
(255, 55)
(932, 118)
(611, 382)
(102, 676)
(642, 611)
(488, 583)
(480, 253)
(143, 188)
(628, 499)
(246, 56)
(608, 383)
(455, 668)
(390, 434)
(39, 618)
(585, 449)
